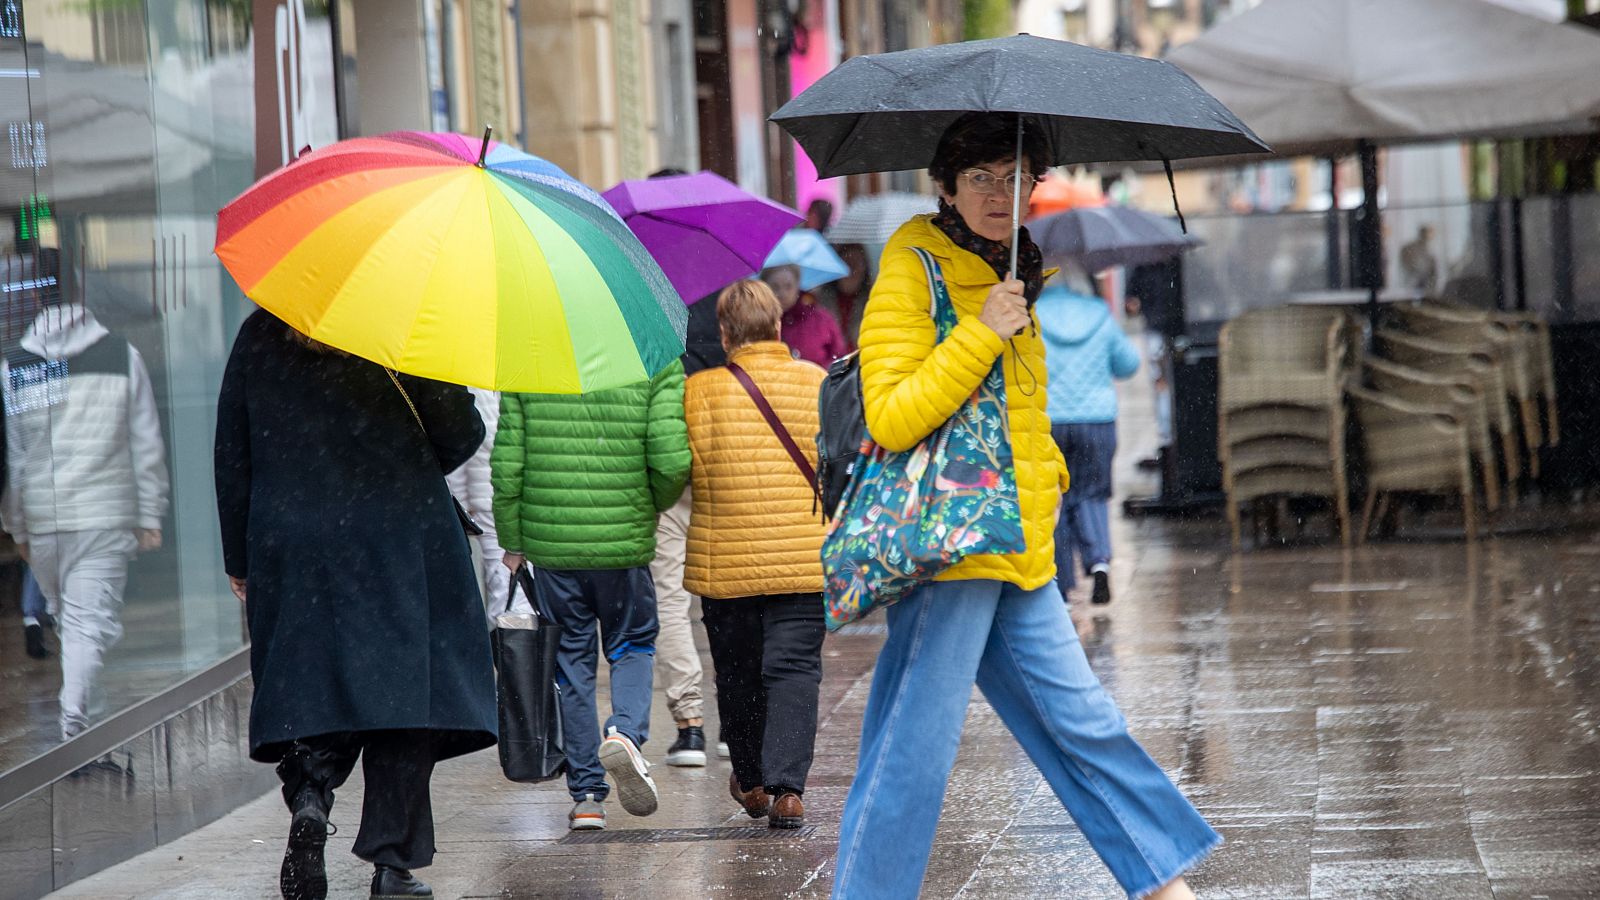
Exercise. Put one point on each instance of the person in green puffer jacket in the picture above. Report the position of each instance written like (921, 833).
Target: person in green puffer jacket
(578, 483)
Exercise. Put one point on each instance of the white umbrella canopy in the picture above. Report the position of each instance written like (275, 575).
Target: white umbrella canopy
(1318, 75)
(874, 219)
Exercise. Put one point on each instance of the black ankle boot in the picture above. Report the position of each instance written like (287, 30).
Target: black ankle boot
(304, 875)
(389, 883)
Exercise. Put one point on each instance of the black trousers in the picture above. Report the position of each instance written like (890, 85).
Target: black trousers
(397, 812)
(768, 656)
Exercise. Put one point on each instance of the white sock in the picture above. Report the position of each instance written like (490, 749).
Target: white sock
(29, 621)
(1099, 567)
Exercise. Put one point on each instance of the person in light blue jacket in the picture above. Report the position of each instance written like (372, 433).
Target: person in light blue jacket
(1085, 350)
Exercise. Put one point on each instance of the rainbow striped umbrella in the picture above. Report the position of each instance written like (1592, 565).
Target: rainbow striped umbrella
(442, 257)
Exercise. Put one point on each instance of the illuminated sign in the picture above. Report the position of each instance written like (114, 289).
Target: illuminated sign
(35, 212)
(28, 149)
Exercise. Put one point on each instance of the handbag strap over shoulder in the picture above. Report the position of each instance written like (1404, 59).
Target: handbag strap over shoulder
(940, 308)
(468, 523)
(774, 423)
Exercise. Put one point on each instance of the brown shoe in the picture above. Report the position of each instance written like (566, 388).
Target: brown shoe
(787, 812)
(755, 801)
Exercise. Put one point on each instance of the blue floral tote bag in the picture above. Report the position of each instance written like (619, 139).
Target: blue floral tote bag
(908, 516)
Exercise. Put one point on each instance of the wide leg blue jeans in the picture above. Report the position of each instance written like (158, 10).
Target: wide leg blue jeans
(1022, 651)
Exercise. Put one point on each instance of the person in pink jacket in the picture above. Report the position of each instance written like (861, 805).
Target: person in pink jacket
(811, 332)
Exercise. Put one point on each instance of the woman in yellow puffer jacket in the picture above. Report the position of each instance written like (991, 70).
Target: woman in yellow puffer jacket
(755, 551)
(998, 621)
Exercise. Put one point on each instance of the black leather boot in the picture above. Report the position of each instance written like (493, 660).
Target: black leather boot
(304, 874)
(389, 883)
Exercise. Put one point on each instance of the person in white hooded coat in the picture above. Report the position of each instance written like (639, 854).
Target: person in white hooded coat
(88, 483)
(471, 487)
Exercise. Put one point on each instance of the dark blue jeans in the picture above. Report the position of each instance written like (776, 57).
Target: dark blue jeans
(621, 604)
(1084, 528)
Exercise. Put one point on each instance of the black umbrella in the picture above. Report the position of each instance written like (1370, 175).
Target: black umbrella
(887, 112)
(1104, 236)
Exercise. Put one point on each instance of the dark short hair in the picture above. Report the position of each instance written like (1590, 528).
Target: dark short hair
(980, 138)
(669, 172)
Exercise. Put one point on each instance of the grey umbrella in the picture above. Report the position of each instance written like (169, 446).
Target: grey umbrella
(886, 112)
(1104, 236)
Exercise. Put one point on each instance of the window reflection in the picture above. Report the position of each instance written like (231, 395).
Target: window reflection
(127, 126)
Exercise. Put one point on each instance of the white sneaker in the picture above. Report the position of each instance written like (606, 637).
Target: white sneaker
(722, 750)
(630, 773)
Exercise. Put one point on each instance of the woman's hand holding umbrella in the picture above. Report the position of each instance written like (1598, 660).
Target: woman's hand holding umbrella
(1006, 309)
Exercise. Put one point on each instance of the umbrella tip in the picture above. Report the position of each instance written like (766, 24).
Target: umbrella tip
(483, 152)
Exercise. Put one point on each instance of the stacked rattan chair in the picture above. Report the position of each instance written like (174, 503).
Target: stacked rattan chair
(1412, 448)
(1480, 366)
(1281, 413)
(1457, 395)
(1510, 346)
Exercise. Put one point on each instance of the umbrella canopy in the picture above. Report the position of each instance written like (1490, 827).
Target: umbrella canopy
(874, 219)
(886, 112)
(1104, 236)
(809, 252)
(1318, 75)
(1054, 195)
(444, 258)
(705, 231)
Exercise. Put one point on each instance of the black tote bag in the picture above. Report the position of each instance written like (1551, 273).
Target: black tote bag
(526, 691)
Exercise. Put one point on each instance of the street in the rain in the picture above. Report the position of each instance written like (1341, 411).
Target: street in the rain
(1403, 720)
(847, 449)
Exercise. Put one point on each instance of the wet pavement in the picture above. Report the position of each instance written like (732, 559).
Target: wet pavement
(1397, 720)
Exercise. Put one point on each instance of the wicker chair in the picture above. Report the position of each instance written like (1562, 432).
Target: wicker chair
(1506, 344)
(1412, 448)
(1284, 356)
(1456, 393)
(1535, 333)
(1446, 358)
(1281, 417)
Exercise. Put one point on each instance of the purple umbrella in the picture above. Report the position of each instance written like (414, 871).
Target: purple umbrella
(704, 230)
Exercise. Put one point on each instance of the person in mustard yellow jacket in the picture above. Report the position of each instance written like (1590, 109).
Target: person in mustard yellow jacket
(994, 620)
(755, 551)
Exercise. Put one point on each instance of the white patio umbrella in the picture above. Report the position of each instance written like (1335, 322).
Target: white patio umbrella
(1315, 75)
(874, 219)
(1324, 77)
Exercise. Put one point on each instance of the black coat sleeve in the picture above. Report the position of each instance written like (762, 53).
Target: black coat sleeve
(450, 417)
(232, 462)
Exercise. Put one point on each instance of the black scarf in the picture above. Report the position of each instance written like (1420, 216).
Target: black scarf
(1030, 262)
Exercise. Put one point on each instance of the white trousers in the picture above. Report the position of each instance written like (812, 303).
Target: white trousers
(677, 661)
(83, 575)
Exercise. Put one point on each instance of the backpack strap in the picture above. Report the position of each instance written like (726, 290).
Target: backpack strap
(782, 433)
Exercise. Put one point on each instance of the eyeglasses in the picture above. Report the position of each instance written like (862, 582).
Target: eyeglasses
(982, 181)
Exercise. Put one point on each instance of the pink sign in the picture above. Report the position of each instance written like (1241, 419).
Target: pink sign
(820, 44)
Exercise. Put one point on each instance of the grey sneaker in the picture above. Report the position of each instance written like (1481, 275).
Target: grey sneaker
(630, 773)
(587, 814)
(722, 750)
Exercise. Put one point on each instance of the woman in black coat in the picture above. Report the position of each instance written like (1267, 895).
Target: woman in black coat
(366, 621)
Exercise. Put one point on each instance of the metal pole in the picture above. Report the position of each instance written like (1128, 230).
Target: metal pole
(1016, 201)
(1371, 229)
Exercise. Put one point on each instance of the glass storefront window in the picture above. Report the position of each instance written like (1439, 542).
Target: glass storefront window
(129, 124)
